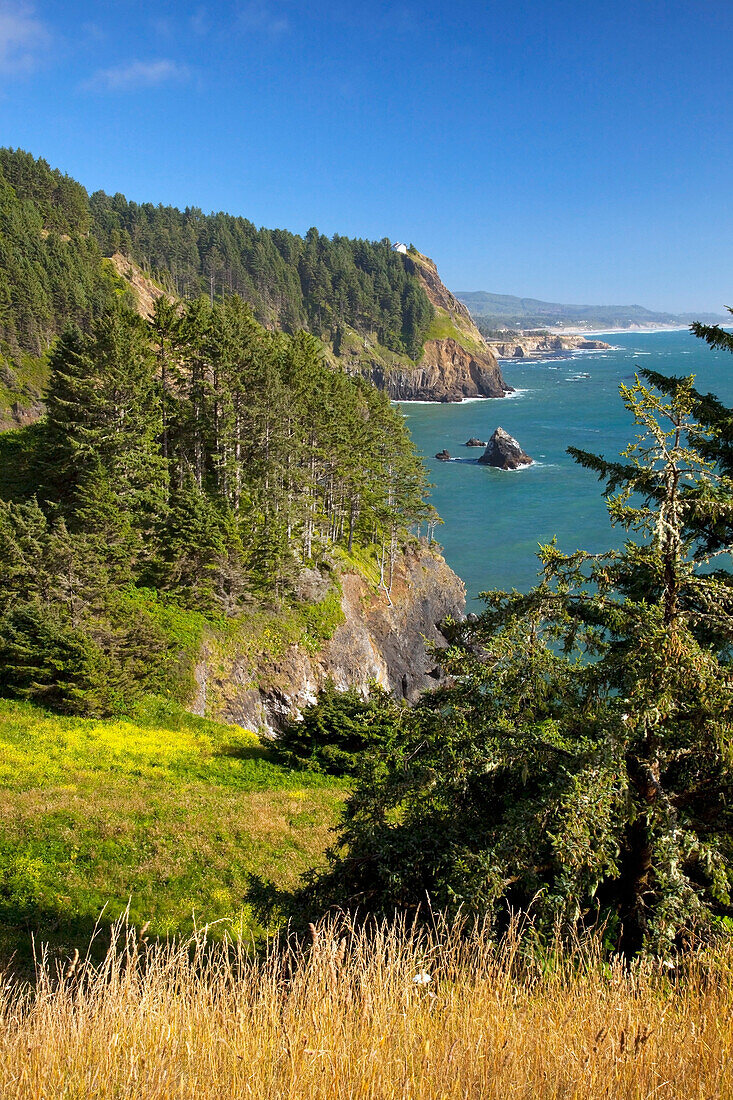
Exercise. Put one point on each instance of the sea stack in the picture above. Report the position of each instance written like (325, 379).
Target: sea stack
(443, 456)
(504, 452)
(474, 442)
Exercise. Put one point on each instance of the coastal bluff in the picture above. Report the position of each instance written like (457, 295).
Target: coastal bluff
(383, 638)
(447, 372)
(543, 346)
(456, 362)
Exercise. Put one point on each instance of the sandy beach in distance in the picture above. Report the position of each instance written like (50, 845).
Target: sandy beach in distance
(616, 331)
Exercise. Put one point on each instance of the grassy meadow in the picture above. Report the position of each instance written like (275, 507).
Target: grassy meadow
(393, 1014)
(154, 821)
(163, 814)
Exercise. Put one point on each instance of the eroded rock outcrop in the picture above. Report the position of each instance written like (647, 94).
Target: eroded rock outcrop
(447, 371)
(544, 346)
(504, 452)
(455, 363)
(383, 639)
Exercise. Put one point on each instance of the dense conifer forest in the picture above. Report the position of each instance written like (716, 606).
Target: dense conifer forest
(197, 458)
(53, 238)
(312, 282)
(51, 269)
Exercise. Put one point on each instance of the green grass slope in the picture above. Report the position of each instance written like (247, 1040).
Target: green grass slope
(165, 812)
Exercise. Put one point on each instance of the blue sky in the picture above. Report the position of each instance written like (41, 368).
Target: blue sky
(567, 150)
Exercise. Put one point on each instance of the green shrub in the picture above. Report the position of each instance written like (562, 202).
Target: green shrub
(336, 729)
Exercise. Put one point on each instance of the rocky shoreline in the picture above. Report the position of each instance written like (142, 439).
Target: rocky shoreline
(447, 372)
(545, 346)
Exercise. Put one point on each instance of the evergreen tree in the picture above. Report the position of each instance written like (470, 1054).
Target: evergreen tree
(104, 414)
(334, 733)
(578, 765)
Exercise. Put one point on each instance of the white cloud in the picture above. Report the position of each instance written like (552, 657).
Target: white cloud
(23, 38)
(259, 15)
(135, 75)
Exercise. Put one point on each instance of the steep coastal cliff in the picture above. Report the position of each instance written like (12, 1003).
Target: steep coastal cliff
(379, 638)
(447, 371)
(456, 362)
(144, 290)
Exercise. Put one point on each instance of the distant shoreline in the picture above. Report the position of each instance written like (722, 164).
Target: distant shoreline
(617, 331)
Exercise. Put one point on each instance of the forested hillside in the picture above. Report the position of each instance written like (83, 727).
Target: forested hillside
(54, 237)
(314, 282)
(187, 466)
(52, 272)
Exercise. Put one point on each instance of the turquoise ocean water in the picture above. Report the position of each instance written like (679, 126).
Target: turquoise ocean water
(494, 519)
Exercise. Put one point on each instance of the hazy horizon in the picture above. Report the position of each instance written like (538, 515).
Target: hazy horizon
(465, 292)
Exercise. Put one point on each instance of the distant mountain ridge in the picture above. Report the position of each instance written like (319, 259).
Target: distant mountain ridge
(500, 311)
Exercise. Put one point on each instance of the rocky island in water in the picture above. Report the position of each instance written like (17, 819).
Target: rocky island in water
(504, 452)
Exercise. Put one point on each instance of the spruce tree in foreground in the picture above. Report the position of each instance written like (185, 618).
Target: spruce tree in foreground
(578, 768)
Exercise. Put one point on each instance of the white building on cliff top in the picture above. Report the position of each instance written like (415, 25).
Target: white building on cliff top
(398, 246)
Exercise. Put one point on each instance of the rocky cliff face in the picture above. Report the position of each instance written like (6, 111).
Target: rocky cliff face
(378, 640)
(447, 371)
(541, 347)
(456, 361)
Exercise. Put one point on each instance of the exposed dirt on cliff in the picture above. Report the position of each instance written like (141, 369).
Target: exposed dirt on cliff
(145, 290)
(378, 640)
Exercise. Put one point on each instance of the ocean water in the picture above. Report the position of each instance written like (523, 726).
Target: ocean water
(494, 520)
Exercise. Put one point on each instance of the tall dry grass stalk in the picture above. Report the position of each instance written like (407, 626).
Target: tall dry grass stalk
(344, 1016)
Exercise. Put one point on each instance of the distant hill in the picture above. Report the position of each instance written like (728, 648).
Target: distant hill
(501, 311)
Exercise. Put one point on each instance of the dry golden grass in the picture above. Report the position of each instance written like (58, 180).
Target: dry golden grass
(344, 1017)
